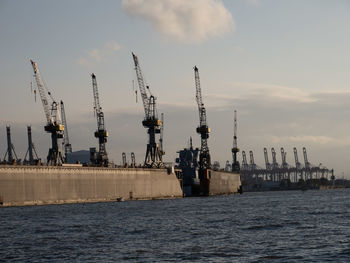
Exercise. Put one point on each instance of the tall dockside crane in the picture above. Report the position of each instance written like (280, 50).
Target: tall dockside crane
(53, 119)
(154, 154)
(203, 130)
(101, 133)
(235, 149)
(65, 143)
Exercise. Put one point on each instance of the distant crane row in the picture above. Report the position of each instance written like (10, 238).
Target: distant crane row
(56, 125)
(277, 172)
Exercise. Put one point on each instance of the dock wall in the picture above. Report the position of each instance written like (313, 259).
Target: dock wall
(224, 183)
(31, 185)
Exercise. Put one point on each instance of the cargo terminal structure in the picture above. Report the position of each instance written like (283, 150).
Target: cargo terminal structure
(55, 181)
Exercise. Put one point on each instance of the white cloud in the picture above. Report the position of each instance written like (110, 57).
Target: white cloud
(95, 54)
(182, 20)
(113, 46)
(276, 92)
(99, 55)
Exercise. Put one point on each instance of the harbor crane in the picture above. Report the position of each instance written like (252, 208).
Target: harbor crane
(101, 133)
(235, 149)
(54, 124)
(65, 143)
(203, 129)
(154, 154)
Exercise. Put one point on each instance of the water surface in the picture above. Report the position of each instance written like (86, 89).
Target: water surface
(289, 226)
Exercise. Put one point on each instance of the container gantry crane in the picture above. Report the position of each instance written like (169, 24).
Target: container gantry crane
(298, 168)
(245, 165)
(235, 149)
(65, 143)
(54, 124)
(267, 164)
(101, 133)
(308, 174)
(203, 130)
(154, 154)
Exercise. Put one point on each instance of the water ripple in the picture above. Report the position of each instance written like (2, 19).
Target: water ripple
(293, 226)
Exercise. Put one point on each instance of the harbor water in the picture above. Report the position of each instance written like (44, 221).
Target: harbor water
(285, 226)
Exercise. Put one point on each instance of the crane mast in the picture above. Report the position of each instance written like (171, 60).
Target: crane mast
(154, 154)
(161, 135)
(54, 124)
(235, 149)
(65, 143)
(101, 133)
(203, 129)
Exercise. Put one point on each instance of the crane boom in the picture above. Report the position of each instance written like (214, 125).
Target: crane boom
(142, 86)
(41, 88)
(201, 109)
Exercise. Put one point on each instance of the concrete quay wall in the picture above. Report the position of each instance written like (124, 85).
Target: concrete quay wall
(31, 185)
(222, 183)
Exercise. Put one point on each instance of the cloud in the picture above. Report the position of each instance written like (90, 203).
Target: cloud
(182, 20)
(99, 55)
(270, 92)
(304, 139)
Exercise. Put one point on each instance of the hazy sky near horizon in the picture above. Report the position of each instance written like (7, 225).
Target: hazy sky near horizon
(282, 64)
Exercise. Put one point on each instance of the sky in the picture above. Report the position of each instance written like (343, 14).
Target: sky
(283, 65)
